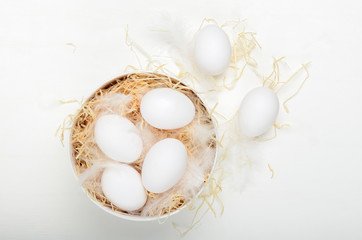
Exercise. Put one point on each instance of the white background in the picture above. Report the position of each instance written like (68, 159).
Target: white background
(317, 189)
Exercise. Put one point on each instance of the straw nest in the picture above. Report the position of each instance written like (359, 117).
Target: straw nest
(122, 96)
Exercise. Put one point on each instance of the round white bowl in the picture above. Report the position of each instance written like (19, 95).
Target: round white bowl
(127, 216)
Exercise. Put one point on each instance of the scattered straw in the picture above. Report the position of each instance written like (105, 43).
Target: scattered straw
(271, 170)
(274, 82)
(66, 125)
(207, 20)
(281, 126)
(130, 67)
(304, 67)
(207, 200)
(275, 134)
(72, 45)
(71, 101)
(242, 48)
(274, 77)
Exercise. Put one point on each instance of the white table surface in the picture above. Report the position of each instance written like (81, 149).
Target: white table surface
(317, 189)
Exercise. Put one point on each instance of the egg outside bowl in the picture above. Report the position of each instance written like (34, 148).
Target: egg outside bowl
(80, 166)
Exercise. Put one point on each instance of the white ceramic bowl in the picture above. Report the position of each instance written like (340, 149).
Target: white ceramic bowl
(122, 215)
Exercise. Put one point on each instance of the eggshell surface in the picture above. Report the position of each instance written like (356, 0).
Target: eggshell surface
(258, 112)
(122, 186)
(118, 138)
(164, 165)
(212, 50)
(166, 108)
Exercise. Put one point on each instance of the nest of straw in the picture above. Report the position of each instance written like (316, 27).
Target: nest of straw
(198, 137)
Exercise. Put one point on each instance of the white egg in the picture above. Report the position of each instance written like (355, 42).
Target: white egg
(164, 165)
(122, 185)
(212, 50)
(258, 111)
(118, 138)
(166, 108)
